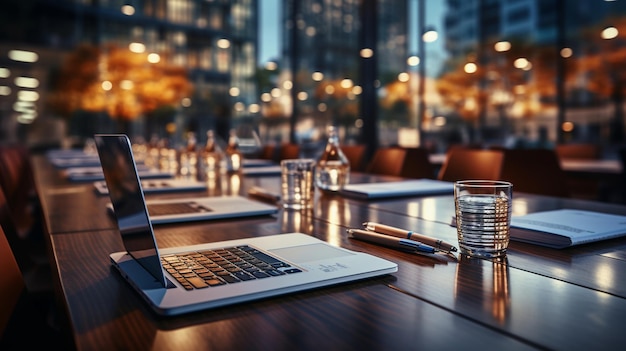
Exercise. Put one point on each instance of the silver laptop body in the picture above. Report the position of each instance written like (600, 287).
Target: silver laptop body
(296, 261)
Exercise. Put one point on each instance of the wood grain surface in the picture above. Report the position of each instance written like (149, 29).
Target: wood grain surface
(536, 298)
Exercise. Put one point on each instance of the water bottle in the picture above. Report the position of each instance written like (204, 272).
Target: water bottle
(212, 155)
(188, 158)
(234, 157)
(332, 171)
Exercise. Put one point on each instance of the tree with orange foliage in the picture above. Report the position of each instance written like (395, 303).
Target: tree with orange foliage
(117, 81)
(604, 70)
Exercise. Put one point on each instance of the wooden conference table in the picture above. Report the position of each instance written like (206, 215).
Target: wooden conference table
(538, 298)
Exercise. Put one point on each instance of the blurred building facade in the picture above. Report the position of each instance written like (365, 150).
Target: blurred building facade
(539, 65)
(408, 72)
(214, 41)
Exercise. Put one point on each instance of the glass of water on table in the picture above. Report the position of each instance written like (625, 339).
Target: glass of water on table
(483, 217)
(297, 188)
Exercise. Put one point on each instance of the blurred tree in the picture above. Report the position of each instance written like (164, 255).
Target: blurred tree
(340, 99)
(603, 70)
(122, 83)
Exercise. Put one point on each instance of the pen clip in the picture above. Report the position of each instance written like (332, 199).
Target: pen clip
(415, 245)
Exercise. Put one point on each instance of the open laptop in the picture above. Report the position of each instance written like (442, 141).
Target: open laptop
(186, 279)
(119, 168)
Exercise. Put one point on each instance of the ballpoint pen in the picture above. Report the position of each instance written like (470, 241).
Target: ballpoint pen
(391, 241)
(263, 194)
(401, 233)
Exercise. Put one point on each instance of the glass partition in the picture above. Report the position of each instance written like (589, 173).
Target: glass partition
(432, 73)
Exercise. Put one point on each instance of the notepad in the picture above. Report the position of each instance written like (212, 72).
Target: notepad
(159, 186)
(90, 174)
(398, 189)
(566, 227)
(261, 170)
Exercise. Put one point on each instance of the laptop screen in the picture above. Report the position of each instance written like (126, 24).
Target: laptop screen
(120, 174)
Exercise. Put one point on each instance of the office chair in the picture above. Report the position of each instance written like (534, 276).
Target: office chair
(24, 320)
(269, 152)
(354, 154)
(11, 283)
(581, 186)
(16, 180)
(578, 151)
(464, 164)
(288, 151)
(417, 164)
(535, 171)
(387, 161)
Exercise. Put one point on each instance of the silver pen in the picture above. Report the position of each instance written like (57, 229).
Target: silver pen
(263, 194)
(391, 241)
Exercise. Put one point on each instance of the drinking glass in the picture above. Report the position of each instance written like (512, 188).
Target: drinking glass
(483, 217)
(297, 183)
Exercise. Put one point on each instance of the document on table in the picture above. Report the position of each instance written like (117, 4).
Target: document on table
(566, 227)
(398, 189)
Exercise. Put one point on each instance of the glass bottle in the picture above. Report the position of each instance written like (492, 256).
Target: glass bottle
(212, 154)
(234, 156)
(333, 168)
(188, 163)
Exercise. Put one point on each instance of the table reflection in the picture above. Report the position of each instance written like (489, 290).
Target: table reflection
(297, 221)
(489, 277)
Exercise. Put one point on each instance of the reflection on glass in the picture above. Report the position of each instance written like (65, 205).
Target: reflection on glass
(519, 207)
(474, 90)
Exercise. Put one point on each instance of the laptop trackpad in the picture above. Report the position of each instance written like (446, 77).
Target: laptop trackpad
(308, 253)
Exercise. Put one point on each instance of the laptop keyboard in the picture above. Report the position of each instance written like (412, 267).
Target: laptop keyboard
(202, 269)
(175, 208)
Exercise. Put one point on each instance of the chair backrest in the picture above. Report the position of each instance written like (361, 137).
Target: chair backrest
(16, 180)
(578, 151)
(19, 247)
(535, 171)
(16, 176)
(354, 154)
(463, 164)
(387, 161)
(417, 164)
(288, 151)
(11, 282)
(21, 309)
(268, 152)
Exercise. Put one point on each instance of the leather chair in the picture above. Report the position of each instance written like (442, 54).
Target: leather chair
(268, 152)
(417, 164)
(288, 151)
(354, 154)
(578, 151)
(387, 161)
(24, 320)
(535, 171)
(465, 164)
(16, 180)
